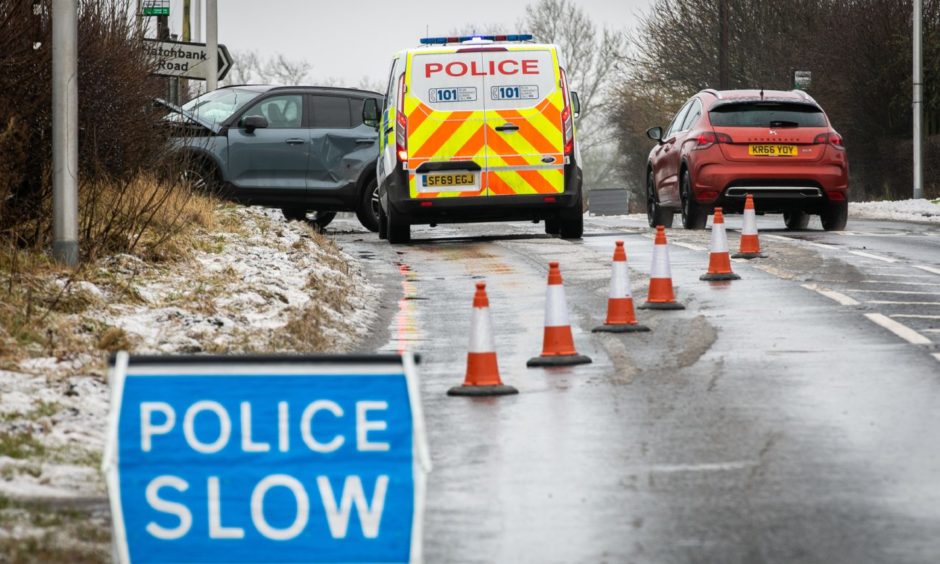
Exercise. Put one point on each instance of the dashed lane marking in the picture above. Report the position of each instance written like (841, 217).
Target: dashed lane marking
(896, 283)
(916, 316)
(889, 302)
(842, 299)
(901, 330)
(871, 256)
(689, 246)
(929, 269)
(905, 292)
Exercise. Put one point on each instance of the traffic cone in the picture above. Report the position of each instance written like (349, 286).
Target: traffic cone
(750, 244)
(620, 315)
(482, 377)
(558, 345)
(719, 261)
(661, 294)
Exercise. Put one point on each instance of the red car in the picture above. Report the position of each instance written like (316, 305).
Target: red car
(721, 146)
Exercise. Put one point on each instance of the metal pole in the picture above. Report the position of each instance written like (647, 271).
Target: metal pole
(918, 101)
(197, 20)
(212, 44)
(65, 132)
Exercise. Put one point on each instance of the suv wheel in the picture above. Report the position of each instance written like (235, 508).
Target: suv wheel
(796, 220)
(834, 216)
(654, 213)
(200, 176)
(368, 212)
(694, 216)
(398, 230)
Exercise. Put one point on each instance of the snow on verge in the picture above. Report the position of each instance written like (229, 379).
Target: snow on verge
(241, 293)
(925, 211)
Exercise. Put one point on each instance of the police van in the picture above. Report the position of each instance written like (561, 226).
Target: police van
(475, 129)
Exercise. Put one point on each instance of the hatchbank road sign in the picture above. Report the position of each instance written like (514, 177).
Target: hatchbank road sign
(185, 59)
(266, 459)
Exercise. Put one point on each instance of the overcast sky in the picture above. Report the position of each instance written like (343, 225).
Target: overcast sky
(351, 39)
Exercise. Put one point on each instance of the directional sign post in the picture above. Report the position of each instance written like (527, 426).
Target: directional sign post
(266, 459)
(185, 59)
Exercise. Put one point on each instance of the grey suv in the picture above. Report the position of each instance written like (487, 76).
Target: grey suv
(302, 149)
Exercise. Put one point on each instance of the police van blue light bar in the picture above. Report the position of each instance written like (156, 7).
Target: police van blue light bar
(446, 40)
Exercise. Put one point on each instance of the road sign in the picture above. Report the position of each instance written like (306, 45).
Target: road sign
(802, 80)
(266, 459)
(156, 7)
(185, 59)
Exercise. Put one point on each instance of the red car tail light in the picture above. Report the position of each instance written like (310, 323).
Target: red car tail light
(708, 138)
(832, 138)
(567, 124)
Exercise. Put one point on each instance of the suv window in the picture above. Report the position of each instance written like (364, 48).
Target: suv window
(676, 125)
(282, 112)
(355, 110)
(331, 112)
(767, 114)
(695, 112)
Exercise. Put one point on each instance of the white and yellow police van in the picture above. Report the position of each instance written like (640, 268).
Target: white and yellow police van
(477, 129)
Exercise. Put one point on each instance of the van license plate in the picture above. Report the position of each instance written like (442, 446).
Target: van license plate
(771, 150)
(448, 180)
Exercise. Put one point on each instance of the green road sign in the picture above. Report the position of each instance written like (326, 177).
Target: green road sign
(156, 7)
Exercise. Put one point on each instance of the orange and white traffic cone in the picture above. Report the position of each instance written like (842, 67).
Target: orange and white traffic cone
(719, 260)
(661, 294)
(620, 315)
(482, 377)
(558, 345)
(750, 244)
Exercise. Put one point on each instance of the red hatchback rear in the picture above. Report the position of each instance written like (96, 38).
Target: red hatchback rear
(721, 146)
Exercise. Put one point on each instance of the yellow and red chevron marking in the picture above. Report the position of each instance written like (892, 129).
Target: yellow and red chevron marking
(443, 136)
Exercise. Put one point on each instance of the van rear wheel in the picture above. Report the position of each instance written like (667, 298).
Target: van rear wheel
(398, 230)
(552, 227)
(572, 228)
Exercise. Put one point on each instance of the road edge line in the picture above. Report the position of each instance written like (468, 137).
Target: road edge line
(842, 299)
(929, 269)
(875, 257)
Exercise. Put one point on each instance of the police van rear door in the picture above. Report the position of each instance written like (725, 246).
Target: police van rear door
(444, 107)
(524, 139)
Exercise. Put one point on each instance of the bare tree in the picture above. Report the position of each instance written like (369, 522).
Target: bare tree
(249, 67)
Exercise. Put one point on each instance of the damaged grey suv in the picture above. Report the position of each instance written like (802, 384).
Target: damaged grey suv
(302, 149)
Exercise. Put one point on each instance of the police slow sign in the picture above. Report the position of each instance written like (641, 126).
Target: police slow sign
(266, 459)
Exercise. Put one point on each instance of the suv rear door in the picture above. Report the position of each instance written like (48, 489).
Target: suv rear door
(524, 138)
(340, 143)
(444, 105)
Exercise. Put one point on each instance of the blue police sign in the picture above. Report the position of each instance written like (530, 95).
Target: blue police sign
(266, 459)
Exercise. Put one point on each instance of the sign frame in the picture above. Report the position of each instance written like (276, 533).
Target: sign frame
(225, 59)
(120, 364)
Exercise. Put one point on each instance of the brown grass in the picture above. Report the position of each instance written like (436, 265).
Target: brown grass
(40, 302)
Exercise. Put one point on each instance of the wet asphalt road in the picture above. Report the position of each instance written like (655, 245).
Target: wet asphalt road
(770, 421)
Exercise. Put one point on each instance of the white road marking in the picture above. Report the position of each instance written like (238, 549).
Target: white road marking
(903, 331)
(937, 356)
(910, 292)
(871, 256)
(929, 269)
(778, 237)
(707, 467)
(689, 246)
(915, 316)
(898, 275)
(888, 302)
(823, 246)
(842, 299)
(930, 330)
(899, 283)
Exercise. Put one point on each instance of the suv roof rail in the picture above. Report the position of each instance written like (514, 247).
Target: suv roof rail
(713, 92)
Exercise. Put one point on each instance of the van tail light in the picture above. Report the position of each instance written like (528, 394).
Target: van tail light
(401, 132)
(831, 138)
(708, 138)
(567, 124)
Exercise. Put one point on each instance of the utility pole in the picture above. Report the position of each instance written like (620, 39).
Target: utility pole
(212, 44)
(65, 132)
(918, 104)
(724, 69)
(197, 20)
(187, 36)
